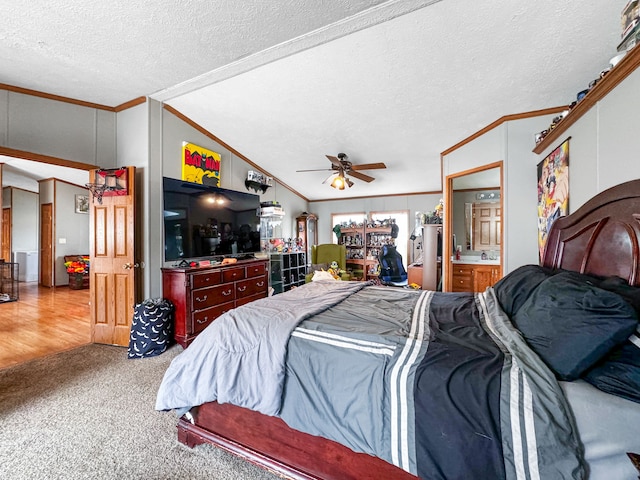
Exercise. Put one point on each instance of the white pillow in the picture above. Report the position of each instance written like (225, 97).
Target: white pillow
(321, 275)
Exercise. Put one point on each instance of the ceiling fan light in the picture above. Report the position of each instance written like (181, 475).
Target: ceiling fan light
(338, 182)
(349, 182)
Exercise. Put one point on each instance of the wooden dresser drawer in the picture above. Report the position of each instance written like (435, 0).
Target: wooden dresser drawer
(232, 274)
(206, 279)
(462, 283)
(255, 270)
(252, 286)
(462, 278)
(206, 297)
(203, 318)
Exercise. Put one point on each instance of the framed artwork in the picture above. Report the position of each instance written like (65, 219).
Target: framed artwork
(200, 165)
(82, 203)
(553, 191)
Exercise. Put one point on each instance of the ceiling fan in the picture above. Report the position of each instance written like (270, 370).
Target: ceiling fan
(343, 166)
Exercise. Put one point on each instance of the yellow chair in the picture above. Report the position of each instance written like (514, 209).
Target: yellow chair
(322, 256)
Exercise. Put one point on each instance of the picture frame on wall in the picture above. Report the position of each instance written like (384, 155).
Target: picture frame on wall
(200, 165)
(553, 191)
(82, 203)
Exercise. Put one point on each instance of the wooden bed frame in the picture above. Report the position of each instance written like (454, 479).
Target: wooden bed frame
(601, 238)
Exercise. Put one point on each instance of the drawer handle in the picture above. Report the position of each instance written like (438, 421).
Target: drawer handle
(260, 284)
(204, 320)
(242, 289)
(198, 299)
(227, 293)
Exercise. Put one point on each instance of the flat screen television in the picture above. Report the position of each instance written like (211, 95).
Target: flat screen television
(207, 221)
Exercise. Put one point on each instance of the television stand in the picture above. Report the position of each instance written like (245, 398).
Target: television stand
(246, 256)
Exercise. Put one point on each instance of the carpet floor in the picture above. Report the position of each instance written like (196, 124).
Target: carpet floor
(88, 413)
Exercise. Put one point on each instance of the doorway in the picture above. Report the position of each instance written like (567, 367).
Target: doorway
(473, 220)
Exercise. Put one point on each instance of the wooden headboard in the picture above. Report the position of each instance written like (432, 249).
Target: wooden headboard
(602, 237)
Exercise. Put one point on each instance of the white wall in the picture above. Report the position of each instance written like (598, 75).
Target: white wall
(57, 129)
(24, 220)
(71, 229)
(512, 143)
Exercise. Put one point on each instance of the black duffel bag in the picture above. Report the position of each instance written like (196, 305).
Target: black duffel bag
(151, 328)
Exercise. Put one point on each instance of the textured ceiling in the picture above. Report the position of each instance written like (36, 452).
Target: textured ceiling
(285, 83)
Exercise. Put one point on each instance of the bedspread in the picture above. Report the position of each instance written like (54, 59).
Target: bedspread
(239, 358)
(439, 384)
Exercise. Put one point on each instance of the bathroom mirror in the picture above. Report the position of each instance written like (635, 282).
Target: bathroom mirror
(476, 213)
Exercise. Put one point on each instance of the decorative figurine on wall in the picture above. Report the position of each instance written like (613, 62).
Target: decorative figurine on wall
(257, 181)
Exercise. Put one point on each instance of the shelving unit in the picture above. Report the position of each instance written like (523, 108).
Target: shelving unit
(287, 270)
(8, 282)
(270, 232)
(363, 247)
(377, 237)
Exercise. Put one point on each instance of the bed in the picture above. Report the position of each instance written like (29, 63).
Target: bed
(535, 378)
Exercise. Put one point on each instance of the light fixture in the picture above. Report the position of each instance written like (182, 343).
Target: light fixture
(340, 181)
(487, 196)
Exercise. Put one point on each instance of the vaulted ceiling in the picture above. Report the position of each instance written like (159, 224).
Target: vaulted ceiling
(286, 83)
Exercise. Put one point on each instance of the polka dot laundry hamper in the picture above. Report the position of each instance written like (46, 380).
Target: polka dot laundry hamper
(151, 328)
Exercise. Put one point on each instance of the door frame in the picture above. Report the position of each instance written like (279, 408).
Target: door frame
(447, 238)
(51, 280)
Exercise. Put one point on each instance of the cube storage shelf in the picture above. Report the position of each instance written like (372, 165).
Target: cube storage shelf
(9, 282)
(287, 270)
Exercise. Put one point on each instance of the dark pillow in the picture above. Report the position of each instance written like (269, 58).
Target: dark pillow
(571, 324)
(619, 371)
(622, 288)
(316, 267)
(514, 288)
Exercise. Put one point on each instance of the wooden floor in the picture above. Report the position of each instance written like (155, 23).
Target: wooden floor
(43, 321)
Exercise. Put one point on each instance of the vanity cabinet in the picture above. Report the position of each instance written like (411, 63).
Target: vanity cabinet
(201, 294)
(469, 277)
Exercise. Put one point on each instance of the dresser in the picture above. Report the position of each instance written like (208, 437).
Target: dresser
(202, 294)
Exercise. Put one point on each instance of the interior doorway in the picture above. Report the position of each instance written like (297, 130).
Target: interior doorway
(463, 189)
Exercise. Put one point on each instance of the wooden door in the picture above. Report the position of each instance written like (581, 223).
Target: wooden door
(46, 245)
(6, 234)
(486, 226)
(113, 268)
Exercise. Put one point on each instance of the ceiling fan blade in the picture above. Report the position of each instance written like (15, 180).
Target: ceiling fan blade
(361, 176)
(334, 160)
(368, 166)
(316, 170)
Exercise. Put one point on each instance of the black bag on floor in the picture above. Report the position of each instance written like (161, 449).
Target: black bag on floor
(151, 328)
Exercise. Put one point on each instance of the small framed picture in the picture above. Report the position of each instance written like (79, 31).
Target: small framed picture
(82, 203)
